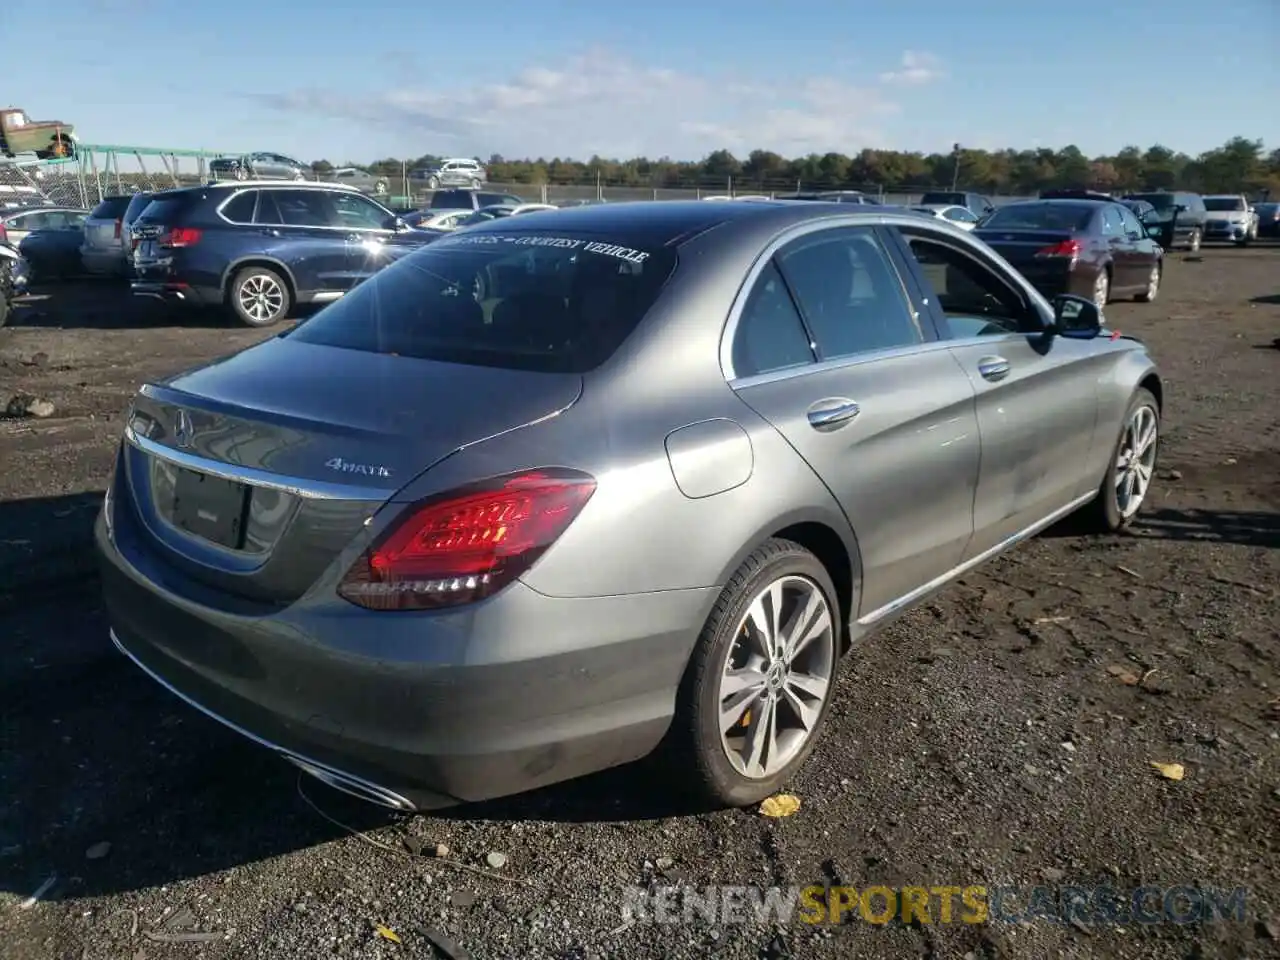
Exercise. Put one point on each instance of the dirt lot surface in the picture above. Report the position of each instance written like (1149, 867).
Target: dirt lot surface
(1002, 735)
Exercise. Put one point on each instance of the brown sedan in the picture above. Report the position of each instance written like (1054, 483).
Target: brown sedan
(1088, 248)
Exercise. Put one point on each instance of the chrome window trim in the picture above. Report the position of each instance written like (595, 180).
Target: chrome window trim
(868, 219)
(306, 489)
(290, 185)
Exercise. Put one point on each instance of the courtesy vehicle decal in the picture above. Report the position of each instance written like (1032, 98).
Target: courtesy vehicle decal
(564, 243)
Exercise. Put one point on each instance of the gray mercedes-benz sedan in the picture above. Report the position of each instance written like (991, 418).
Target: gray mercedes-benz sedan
(558, 490)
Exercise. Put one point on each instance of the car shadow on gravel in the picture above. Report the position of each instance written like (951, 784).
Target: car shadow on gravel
(1271, 298)
(44, 543)
(1249, 528)
(109, 305)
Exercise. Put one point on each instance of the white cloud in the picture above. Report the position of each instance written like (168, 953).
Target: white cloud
(917, 68)
(603, 103)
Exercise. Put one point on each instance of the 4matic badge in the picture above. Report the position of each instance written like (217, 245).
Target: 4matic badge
(364, 469)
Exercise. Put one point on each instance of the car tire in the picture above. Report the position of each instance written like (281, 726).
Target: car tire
(299, 177)
(1105, 513)
(1102, 288)
(381, 188)
(241, 172)
(1153, 283)
(1194, 241)
(433, 183)
(6, 308)
(259, 297)
(475, 184)
(776, 568)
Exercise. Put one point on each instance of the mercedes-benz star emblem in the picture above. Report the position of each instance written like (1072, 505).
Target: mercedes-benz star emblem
(182, 428)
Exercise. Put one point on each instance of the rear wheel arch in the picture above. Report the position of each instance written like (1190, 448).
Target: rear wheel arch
(837, 552)
(267, 263)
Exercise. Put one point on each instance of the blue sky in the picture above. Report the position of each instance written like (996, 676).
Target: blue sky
(358, 81)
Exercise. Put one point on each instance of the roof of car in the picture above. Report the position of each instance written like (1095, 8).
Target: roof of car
(281, 184)
(670, 223)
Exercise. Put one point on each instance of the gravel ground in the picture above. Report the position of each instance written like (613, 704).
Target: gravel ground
(1001, 734)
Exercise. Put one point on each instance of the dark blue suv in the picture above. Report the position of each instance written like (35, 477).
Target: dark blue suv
(260, 248)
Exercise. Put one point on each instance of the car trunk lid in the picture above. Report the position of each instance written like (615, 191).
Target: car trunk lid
(1023, 247)
(253, 473)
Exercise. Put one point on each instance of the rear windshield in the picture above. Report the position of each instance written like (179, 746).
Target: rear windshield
(452, 200)
(137, 203)
(164, 209)
(523, 300)
(1041, 216)
(111, 208)
(1224, 204)
(1161, 201)
(496, 199)
(950, 199)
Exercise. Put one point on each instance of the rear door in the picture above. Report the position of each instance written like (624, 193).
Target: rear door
(1037, 398)
(302, 230)
(830, 350)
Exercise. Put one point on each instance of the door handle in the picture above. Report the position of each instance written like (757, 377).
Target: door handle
(272, 232)
(993, 368)
(832, 413)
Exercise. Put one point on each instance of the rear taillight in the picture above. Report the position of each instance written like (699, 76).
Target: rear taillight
(468, 544)
(119, 226)
(1069, 249)
(4, 234)
(180, 237)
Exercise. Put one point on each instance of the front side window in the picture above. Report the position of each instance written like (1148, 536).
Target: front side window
(359, 213)
(960, 215)
(848, 292)
(975, 299)
(555, 303)
(1129, 223)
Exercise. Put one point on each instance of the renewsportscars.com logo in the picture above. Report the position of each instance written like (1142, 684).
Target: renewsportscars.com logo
(932, 904)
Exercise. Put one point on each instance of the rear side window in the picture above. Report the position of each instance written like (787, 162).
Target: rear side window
(239, 209)
(770, 336)
(112, 208)
(849, 293)
(522, 300)
(495, 199)
(304, 208)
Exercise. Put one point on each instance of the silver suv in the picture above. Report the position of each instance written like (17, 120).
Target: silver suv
(459, 172)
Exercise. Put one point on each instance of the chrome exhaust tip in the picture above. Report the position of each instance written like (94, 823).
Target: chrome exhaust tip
(354, 786)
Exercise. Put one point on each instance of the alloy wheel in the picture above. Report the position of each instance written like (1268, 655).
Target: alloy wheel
(1136, 460)
(777, 676)
(1194, 245)
(1102, 289)
(1153, 283)
(260, 297)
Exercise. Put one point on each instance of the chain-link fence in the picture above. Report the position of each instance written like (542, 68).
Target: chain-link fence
(96, 172)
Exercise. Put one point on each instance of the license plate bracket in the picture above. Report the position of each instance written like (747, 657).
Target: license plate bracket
(210, 507)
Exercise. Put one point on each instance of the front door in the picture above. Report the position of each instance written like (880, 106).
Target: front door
(1037, 397)
(365, 228)
(829, 350)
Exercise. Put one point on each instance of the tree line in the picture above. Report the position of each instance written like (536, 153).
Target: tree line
(1239, 165)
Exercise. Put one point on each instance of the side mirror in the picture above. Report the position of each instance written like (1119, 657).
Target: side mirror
(396, 224)
(1077, 318)
(1155, 231)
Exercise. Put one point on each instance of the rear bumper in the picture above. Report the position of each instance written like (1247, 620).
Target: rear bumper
(177, 293)
(514, 693)
(1053, 279)
(103, 263)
